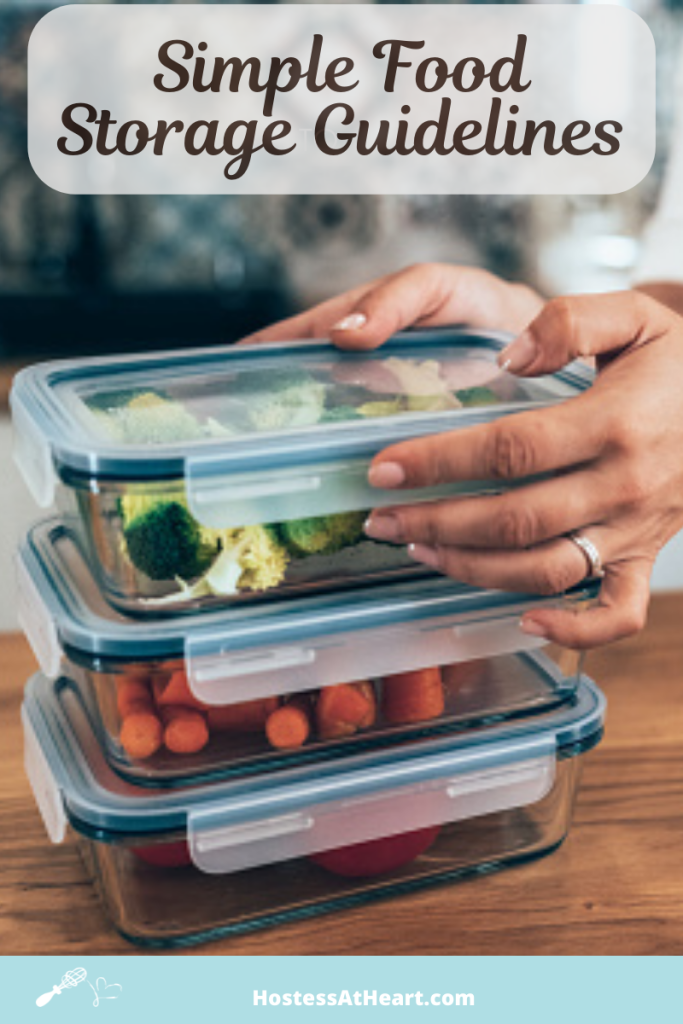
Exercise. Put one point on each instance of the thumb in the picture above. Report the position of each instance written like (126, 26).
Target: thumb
(583, 326)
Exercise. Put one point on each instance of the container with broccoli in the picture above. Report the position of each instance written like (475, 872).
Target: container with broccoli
(175, 564)
(199, 478)
(175, 561)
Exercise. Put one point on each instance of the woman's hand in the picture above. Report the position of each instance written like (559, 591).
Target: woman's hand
(426, 295)
(616, 452)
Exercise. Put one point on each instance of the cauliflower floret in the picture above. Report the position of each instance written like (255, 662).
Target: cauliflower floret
(151, 419)
(426, 389)
(263, 560)
(250, 559)
(143, 417)
(280, 399)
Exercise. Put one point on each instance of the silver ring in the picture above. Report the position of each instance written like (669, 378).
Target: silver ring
(591, 554)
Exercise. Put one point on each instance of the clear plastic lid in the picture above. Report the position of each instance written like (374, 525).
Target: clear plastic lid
(263, 433)
(276, 648)
(235, 825)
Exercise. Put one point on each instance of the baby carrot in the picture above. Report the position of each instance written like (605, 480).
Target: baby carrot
(185, 730)
(176, 691)
(141, 734)
(289, 726)
(412, 696)
(248, 716)
(132, 694)
(370, 716)
(464, 675)
(343, 709)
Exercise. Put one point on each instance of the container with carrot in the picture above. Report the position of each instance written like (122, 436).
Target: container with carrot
(182, 698)
(159, 714)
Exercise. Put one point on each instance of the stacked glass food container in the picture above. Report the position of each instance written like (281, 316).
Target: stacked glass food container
(248, 712)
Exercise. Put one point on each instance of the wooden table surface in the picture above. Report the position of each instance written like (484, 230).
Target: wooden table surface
(614, 887)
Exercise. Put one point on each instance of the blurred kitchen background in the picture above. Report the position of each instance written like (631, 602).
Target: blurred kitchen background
(92, 274)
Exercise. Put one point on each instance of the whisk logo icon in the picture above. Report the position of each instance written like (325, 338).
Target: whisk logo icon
(70, 980)
(101, 989)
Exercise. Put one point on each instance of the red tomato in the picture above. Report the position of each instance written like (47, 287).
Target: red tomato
(378, 855)
(164, 855)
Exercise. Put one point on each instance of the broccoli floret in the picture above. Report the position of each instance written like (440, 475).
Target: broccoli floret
(477, 396)
(148, 417)
(281, 399)
(340, 414)
(346, 529)
(322, 535)
(164, 541)
(134, 503)
(106, 401)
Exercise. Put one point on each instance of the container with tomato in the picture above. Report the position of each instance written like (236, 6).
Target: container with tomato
(182, 865)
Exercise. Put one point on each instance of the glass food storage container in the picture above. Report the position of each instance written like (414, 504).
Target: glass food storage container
(252, 689)
(225, 475)
(181, 866)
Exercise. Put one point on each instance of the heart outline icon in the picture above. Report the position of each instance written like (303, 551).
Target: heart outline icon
(99, 990)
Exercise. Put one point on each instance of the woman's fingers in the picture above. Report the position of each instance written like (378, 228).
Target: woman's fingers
(552, 568)
(432, 294)
(621, 610)
(517, 519)
(428, 294)
(366, 316)
(508, 449)
(548, 568)
(419, 295)
(584, 325)
(313, 323)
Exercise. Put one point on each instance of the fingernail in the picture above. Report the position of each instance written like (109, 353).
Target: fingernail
(383, 526)
(519, 354)
(426, 555)
(532, 628)
(351, 322)
(386, 475)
